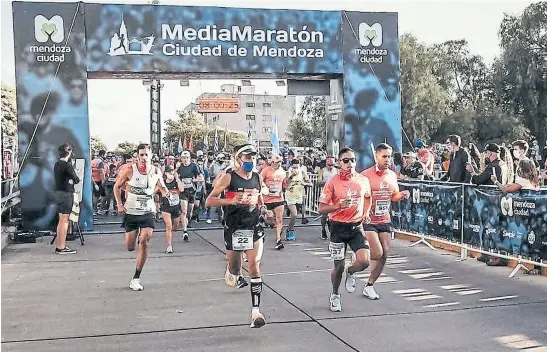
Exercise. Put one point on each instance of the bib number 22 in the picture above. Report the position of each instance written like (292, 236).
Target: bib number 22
(242, 240)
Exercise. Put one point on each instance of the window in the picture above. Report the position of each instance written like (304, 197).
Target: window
(250, 117)
(250, 105)
(267, 118)
(266, 105)
(266, 129)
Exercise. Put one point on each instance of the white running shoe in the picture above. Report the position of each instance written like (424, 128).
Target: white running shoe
(135, 285)
(335, 303)
(229, 278)
(185, 236)
(169, 249)
(370, 293)
(350, 282)
(209, 221)
(257, 319)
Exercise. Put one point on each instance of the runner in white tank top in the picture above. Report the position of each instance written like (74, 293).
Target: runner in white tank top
(142, 180)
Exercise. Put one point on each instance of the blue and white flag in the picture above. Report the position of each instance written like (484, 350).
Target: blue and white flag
(275, 137)
(216, 140)
(179, 148)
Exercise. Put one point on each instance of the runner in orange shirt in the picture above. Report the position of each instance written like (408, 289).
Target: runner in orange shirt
(384, 187)
(346, 198)
(275, 180)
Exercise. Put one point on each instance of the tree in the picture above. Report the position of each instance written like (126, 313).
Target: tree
(497, 126)
(425, 102)
(9, 114)
(96, 145)
(310, 122)
(190, 126)
(522, 88)
(125, 147)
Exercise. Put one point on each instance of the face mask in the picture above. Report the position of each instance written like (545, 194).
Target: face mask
(345, 174)
(330, 163)
(220, 162)
(247, 166)
(516, 154)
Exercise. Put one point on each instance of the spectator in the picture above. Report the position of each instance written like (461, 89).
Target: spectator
(459, 158)
(492, 167)
(412, 168)
(526, 178)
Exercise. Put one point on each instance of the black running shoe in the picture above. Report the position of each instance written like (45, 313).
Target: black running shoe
(241, 282)
(65, 250)
(324, 235)
(279, 245)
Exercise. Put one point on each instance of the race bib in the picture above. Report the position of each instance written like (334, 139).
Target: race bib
(142, 204)
(112, 179)
(275, 189)
(242, 240)
(381, 207)
(173, 199)
(337, 250)
(187, 183)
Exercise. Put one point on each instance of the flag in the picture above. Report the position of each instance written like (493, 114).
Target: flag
(179, 148)
(206, 141)
(216, 140)
(275, 137)
(250, 137)
(226, 137)
(191, 144)
(185, 144)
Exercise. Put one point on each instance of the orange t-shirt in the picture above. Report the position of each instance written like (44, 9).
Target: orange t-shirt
(274, 180)
(383, 185)
(356, 189)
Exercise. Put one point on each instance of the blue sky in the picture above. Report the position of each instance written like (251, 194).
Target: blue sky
(431, 21)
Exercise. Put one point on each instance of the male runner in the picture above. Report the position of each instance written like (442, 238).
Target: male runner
(384, 187)
(98, 176)
(170, 205)
(143, 180)
(346, 198)
(274, 178)
(243, 205)
(189, 174)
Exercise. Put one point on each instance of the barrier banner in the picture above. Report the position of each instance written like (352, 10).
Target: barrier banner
(515, 223)
(432, 209)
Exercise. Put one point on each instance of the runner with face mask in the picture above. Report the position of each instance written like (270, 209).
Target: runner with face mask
(143, 181)
(346, 199)
(243, 205)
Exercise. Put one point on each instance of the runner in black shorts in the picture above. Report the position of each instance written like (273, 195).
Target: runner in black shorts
(170, 206)
(189, 174)
(243, 205)
(345, 197)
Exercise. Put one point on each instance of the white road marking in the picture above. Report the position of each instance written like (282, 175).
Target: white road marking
(468, 292)
(454, 287)
(442, 305)
(415, 271)
(422, 298)
(409, 290)
(417, 294)
(320, 253)
(313, 249)
(437, 278)
(423, 276)
(384, 280)
(499, 299)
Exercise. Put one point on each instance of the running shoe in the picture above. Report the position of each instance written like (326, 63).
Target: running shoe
(257, 319)
(185, 236)
(350, 282)
(241, 282)
(169, 249)
(335, 303)
(370, 293)
(135, 285)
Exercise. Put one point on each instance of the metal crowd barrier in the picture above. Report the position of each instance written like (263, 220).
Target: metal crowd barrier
(9, 200)
(479, 219)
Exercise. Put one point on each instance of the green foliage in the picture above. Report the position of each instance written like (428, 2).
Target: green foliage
(9, 113)
(96, 145)
(125, 147)
(309, 124)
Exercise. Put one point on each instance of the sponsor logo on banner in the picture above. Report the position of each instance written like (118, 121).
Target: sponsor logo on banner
(371, 40)
(50, 31)
(416, 195)
(531, 238)
(506, 204)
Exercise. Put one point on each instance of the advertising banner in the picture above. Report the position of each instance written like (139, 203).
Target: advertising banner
(148, 38)
(515, 223)
(51, 84)
(335, 117)
(372, 102)
(432, 209)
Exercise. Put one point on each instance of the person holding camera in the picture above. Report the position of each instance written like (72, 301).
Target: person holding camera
(65, 179)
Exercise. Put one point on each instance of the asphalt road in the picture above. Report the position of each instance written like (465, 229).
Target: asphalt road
(429, 301)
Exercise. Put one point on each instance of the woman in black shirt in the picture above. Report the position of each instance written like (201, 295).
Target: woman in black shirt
(65, 179)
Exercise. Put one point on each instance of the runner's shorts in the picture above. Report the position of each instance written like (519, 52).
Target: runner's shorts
(272, 206)
(258, 234)
(134, 222)
(189, 196)
(174, 210)
(344, 234)
(378, 227)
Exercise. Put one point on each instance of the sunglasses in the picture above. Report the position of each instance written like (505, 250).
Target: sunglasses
(348, 160)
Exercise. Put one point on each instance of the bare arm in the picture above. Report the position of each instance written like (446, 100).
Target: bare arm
(124, 176)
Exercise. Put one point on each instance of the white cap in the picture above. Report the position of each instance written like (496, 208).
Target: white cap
(199, 153)
(221, 156)
(185, 154)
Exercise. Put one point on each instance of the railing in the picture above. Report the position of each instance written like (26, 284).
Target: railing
(311, 200)
(480, 219)
(9, 200)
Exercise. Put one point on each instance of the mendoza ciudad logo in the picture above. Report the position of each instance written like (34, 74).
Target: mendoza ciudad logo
(49, 31)
(371, 38)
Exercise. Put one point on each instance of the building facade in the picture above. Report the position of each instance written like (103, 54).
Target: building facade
(255, 114)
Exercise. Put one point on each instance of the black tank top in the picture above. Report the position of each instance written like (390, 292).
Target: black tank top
(241, 216)
(170, 186)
